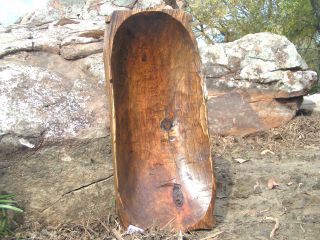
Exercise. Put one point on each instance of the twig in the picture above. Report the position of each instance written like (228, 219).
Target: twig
(168, 223)
(86, 230)
(276, 225)
(117, 234)
(92, 231)
(118, 224)
(105, 226)
(212, 236)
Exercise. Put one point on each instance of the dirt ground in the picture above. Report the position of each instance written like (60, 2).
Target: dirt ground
(268, 184)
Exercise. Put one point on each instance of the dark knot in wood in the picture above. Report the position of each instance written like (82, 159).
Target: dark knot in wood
(166, 124)
(177, 195)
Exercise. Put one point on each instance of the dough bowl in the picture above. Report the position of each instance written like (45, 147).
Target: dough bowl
(161, 147)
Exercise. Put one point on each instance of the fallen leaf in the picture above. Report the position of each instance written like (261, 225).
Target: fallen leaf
(240, 160)
(264, 152)
(272, 183)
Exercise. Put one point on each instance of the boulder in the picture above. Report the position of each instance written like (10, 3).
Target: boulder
(254, 84)
(311, 103)
(54, 137)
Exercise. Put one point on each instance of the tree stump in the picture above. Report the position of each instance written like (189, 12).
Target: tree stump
(161, 147)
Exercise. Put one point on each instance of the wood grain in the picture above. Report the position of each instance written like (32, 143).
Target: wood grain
(161, 147)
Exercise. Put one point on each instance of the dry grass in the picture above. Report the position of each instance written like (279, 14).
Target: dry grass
(98, 229)
(304, 130)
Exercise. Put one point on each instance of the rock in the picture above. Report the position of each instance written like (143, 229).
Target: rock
(76, 51)
(94, 66)
(54, 137)
(311, 103)
(105, 9)
(42, 102)
(86, 9)
(238, 113)
(149, 3)
(254, 83)
(51, 36)
(64, 21)
(124, 3)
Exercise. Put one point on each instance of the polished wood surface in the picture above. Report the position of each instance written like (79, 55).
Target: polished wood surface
(161, 148)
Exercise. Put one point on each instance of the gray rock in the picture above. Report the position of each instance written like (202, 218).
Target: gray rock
(38, 101)
(254, 83)
(94, 65)
(124, 3)
(54, 138)
(311, 103)
(76, 51)
(260, 61)
(142, 4)
(85, 9)
(51, 36)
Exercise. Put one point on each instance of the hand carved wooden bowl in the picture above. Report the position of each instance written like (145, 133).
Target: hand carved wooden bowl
(161, 147)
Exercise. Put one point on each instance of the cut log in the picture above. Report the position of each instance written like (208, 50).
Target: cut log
(161, 146)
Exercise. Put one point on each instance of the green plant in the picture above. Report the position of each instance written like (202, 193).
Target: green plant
(6, 204)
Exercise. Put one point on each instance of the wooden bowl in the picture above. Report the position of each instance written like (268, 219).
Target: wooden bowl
(161, 147)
